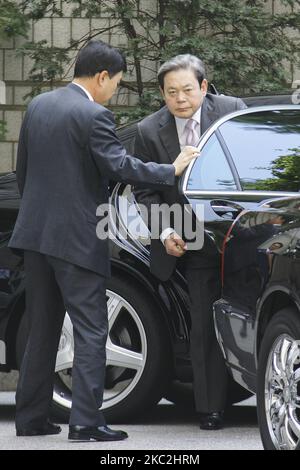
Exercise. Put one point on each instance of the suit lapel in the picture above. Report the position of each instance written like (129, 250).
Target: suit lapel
(208, 114)
(168, 135)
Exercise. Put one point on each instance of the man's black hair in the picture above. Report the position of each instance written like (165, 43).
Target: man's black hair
(97, 56)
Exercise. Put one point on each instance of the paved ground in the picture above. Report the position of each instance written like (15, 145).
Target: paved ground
(167, 428)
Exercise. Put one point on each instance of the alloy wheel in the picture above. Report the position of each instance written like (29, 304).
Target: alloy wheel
(282, 393)
(126, 353)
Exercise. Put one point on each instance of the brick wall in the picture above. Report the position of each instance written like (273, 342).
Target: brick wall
(14, 72)
(58, 31)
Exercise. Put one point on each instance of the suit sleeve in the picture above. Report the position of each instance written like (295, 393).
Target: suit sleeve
(240, 104)
(112, 159)
(22, 156)
(144, 196)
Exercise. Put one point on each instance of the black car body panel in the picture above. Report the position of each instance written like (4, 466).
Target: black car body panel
(260, 267)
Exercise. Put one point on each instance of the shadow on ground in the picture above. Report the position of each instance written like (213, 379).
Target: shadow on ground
(167, 413)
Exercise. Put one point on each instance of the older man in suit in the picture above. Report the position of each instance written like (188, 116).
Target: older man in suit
(188, 113)
(68, 150)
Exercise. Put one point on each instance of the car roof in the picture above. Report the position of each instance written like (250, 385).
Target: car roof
(263, 100)
(255, 109)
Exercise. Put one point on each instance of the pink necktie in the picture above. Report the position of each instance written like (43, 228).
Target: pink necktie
(191, 133)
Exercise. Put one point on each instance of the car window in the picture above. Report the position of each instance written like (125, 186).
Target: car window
(211, 170)
(265, 147)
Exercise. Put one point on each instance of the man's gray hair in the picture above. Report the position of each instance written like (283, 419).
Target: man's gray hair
(182, 61)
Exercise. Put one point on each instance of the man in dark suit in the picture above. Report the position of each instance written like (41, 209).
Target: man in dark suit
(68, 150)
(188, 113)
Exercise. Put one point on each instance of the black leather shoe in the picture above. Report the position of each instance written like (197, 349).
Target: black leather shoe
(211, 421)
(91, 433)
(48, 428)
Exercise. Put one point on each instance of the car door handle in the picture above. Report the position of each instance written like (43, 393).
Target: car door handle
(228, 310)
(224, 208)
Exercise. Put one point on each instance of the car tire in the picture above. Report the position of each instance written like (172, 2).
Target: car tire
(157, 368)
(278, 382)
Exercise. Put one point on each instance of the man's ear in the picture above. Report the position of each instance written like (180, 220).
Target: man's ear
(102, 76)
(162, 92)
(204, 86)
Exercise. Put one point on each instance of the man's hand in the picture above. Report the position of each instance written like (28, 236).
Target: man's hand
(174, 245)
(184, 158)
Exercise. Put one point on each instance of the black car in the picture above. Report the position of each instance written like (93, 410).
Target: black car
(258, 317)
(249, 161)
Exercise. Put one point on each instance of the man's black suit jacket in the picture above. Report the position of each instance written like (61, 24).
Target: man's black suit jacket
(68, 151)
(157, 140)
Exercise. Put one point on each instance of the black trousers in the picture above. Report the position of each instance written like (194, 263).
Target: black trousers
(54, 286)
(209, 370)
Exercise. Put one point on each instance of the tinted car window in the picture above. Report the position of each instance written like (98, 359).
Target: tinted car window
(211, 170)
(265, 147)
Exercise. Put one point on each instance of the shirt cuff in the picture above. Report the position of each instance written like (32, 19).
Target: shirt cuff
(165, 233)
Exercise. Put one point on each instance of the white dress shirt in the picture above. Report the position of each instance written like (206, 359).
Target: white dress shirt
(180, 126)
(85, 91)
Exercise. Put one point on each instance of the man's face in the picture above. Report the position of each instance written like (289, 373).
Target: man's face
(182, 93)
(106, 86)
